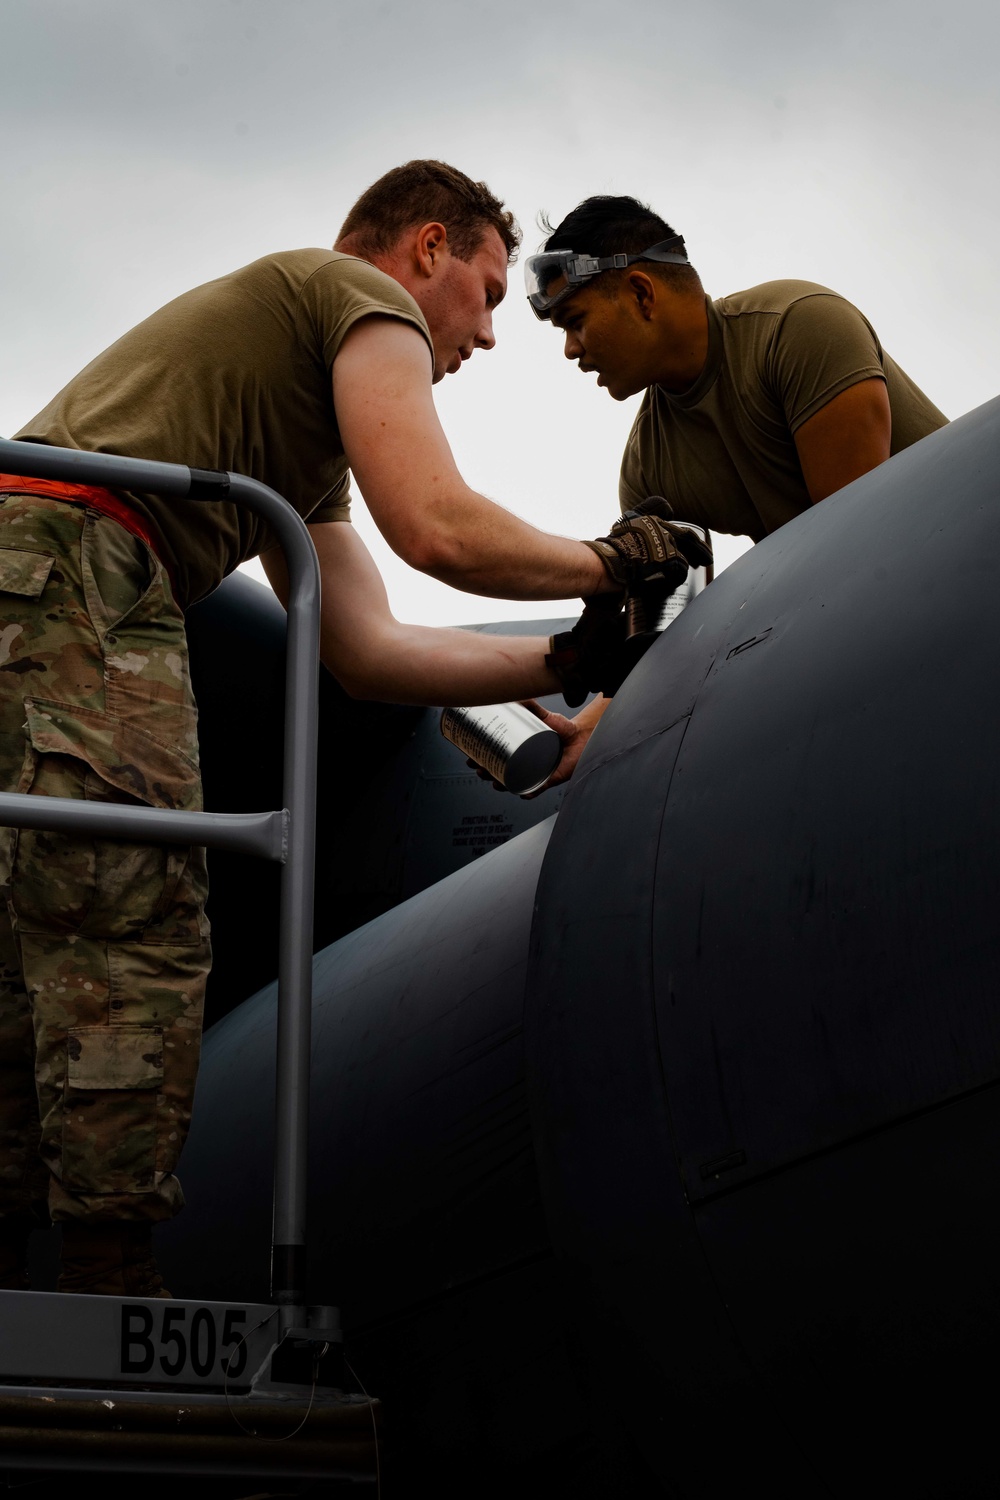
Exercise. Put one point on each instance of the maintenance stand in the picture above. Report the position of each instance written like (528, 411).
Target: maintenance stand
(216, 1390)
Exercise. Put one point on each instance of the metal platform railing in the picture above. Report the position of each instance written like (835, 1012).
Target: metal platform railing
(287, 836)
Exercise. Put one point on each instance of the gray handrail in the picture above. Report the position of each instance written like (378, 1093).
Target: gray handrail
(263, 834)
(288, 836)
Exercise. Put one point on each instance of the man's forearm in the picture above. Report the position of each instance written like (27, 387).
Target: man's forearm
(469, 543)
(404, 467)
(373, 655)
(441, 667)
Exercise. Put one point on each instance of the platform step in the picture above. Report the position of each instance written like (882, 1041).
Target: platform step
(198, 1434)
(99, 1341)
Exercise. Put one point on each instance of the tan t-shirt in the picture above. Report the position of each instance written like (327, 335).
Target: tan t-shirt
(233, 375)
(722, 452)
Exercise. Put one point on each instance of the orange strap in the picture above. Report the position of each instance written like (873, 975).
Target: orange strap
(105, 501)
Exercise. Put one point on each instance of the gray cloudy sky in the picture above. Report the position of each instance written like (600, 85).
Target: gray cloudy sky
(148, 145)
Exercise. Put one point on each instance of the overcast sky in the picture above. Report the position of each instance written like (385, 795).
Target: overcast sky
(149, 145)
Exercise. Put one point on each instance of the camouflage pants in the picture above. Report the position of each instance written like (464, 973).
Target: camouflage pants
(104, 946)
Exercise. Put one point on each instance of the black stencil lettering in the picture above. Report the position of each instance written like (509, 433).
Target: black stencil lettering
(202, 1341)
(137, 1346)
(169, 1334)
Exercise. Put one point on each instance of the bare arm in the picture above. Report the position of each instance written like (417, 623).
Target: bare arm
(372, 655)
(846, 438)
(421, 504)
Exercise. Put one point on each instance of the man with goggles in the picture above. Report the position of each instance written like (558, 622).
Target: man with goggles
(755, 406)
(554, 275)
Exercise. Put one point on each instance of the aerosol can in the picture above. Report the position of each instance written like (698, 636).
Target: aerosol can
(508, 741)
(653, 610)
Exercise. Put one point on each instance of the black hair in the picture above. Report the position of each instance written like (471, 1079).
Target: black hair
(604, 225)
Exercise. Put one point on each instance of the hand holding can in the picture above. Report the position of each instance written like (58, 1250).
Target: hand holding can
(508, 741)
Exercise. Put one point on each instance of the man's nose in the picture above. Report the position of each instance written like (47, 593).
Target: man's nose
(573, 347)
(485, 338)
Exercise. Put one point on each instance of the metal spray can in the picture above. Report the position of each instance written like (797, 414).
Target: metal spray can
(508, 741)
(654, 610)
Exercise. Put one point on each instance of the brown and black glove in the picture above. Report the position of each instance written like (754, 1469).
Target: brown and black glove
(591, 658)
(648, 555)
(647, 546)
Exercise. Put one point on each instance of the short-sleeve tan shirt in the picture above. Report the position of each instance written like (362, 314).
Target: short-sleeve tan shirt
(233, 375)
(723, 451)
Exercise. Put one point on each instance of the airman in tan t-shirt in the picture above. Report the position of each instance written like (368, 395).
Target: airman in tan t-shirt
(236, 375)
(755, 406)
(723, 451)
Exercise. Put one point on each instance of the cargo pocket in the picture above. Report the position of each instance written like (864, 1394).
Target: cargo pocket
(109, 889)
(113, 1077)
(117, 571)
(24, 573)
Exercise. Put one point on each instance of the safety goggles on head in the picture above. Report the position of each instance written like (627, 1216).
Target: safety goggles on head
(555, 274)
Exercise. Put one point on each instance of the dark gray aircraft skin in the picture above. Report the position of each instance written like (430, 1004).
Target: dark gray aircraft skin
(658, 1150)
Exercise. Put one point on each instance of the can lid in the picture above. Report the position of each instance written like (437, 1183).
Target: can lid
(532, 763)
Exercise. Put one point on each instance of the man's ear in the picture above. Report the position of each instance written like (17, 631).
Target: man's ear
(641, 292)
(430, 246)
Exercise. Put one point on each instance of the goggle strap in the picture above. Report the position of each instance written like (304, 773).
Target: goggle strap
(582, 267)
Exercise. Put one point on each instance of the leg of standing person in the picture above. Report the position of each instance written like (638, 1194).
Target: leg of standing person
(110, 938)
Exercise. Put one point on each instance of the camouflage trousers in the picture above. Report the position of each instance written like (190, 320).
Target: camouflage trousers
(104, 946)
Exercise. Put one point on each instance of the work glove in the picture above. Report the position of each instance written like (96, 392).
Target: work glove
(645, 601)
(648, 554)
(591, 658)
(646, 546)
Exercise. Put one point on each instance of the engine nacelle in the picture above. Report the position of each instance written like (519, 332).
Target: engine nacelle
(699, 1194)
